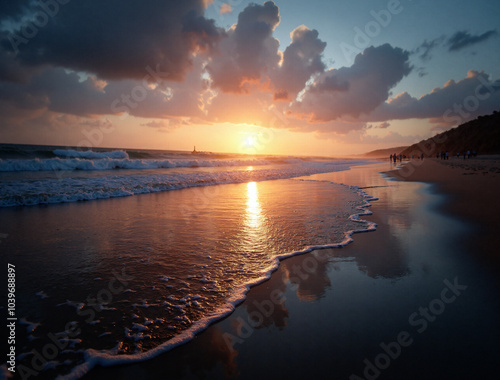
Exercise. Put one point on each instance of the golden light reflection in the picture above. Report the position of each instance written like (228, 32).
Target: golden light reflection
(254, 216)
(249, 169)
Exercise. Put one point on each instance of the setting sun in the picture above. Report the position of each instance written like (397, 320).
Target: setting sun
(250, 141)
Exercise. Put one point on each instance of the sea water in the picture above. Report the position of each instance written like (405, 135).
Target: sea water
(121, 278)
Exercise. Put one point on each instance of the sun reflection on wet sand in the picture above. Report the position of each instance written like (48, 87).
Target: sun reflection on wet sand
(254, 217)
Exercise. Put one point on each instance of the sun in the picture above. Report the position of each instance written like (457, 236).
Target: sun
(250, 141)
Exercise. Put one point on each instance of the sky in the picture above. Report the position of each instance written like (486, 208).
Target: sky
(316, 77)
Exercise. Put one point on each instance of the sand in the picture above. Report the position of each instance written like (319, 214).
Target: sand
(471, 187)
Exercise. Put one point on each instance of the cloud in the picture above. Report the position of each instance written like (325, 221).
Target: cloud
(58, 90)
(164, 126)
(425, 48)
(104, 122)
(383, 125)
(248, 50)
(301, 59)
(168, 62)
(13, 9)
(463, 39)
(155, 124)
(359, 89)
(116, 39)
(452, 104)
(225, 8)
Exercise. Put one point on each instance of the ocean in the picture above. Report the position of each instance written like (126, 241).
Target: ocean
(35, 174)
(121, 255)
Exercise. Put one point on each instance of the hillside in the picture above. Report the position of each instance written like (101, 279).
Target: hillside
(384, 152)
(481, 135)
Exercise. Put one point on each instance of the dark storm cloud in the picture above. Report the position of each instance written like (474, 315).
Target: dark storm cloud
(463, 39)
(117, 39)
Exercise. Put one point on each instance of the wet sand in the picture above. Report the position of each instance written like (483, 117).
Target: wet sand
(472, 187)
(409, 300)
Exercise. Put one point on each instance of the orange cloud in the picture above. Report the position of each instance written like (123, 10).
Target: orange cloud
(225, 8)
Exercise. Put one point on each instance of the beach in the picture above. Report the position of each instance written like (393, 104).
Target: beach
(410, 300)
(471, 186)
(207, 189)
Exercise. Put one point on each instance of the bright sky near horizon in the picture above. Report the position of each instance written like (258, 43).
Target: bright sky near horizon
(316, 77)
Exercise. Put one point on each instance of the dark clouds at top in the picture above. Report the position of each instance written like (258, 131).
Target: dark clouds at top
(116, 39)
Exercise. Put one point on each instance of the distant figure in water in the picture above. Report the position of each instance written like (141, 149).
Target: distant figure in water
(394, 157)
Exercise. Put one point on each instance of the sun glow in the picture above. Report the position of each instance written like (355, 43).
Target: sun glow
(250, 141)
